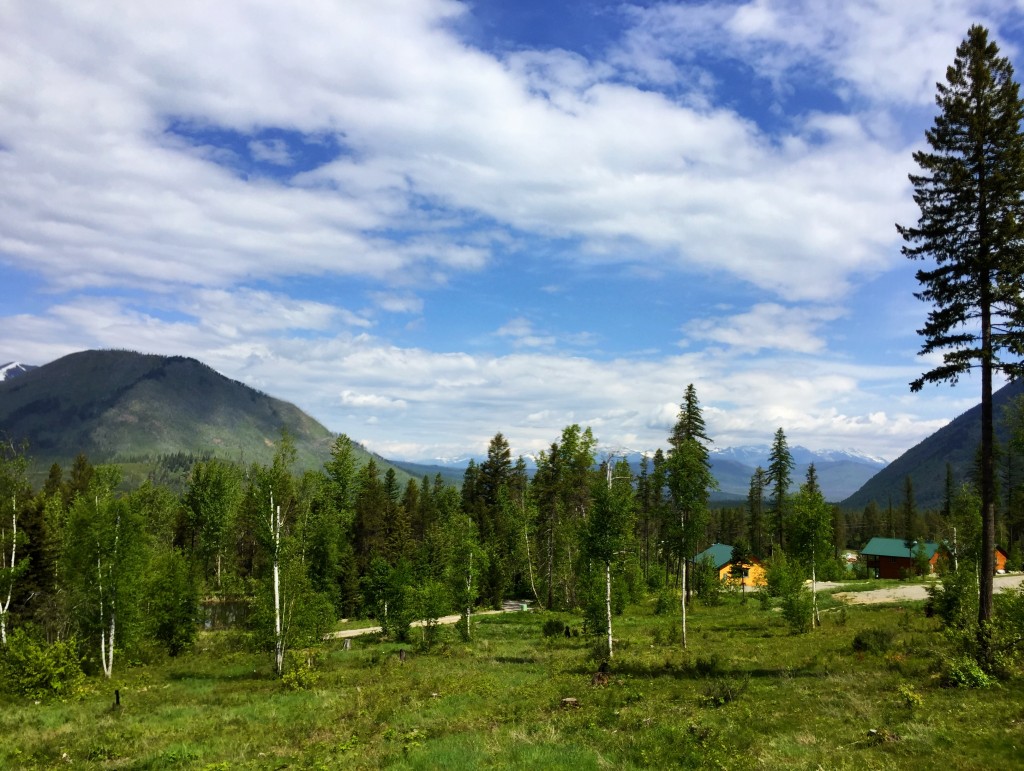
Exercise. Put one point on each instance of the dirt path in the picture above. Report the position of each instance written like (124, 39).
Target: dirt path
(911, 591)
(508, 606)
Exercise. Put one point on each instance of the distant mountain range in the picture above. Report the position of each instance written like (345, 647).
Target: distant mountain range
(840, 472)
(132, 408)
(119, 406)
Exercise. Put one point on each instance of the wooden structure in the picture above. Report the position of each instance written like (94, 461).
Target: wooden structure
(898, 558)
(721, 556)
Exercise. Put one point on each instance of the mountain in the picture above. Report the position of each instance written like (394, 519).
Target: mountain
(120, 406)
(840, 472)
(925, 463)
(14, 368)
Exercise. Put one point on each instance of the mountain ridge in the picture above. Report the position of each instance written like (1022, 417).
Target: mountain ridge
(122, 406)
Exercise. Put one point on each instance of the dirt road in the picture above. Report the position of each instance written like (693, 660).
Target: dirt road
(507, 607)
(911, 591)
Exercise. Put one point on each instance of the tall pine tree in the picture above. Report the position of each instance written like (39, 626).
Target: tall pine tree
(971, 197)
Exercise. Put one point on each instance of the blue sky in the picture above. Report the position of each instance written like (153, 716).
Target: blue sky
(427, 221)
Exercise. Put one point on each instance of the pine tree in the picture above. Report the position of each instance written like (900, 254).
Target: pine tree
(755, 510)
(780, 469)
(971, 197)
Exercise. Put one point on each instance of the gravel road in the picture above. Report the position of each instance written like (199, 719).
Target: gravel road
(909, 591)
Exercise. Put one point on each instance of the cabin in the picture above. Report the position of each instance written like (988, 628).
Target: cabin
(1001, 557)
(896, 557)
(721, 557)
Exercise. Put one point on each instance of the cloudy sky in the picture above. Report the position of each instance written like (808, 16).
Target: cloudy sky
(427, 221)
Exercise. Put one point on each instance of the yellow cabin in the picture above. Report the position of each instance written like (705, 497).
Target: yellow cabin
(721, 557)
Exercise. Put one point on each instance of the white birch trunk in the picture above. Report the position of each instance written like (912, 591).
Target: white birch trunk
(608, 603)
(275, 529)
(814, 593)
(10, 585)
(683, 603)
(682, 525)
(469, 597)
(529, 561)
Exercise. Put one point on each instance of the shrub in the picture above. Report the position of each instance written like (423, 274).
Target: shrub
(706, 584)
(29, 667)
(873, 640)
(796, 609)
(964, 672)
(554, 627)
(666, 603)
(784, 576)
(719, 691)
(954, 599)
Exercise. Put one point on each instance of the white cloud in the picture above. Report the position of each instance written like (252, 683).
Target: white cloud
(271, 151)
(368, 388)
(767, 326)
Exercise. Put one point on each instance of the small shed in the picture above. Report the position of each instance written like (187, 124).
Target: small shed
(896, 557)
(721, 557)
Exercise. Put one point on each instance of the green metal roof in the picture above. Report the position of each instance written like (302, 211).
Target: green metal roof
(895, 547)
(719, 552)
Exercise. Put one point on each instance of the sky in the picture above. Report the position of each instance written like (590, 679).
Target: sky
(425, 222)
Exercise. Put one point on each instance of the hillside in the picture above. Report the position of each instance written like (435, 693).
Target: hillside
(119, 406)
(956, 443)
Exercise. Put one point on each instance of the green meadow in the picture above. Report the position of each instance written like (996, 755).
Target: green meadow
(746, 692)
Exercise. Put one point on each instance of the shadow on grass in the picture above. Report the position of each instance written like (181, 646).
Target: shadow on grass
(238, 676)
(698, 671)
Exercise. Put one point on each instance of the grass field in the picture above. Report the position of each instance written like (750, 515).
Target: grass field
(746, 693)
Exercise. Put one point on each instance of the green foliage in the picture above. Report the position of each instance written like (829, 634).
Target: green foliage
(954, 599)
(706, 584)
(783, 576)
(797, 610)
(666, 602)
(431, 600)
(719, 691)
(31, 668)
(172, 606)
(876, 640)
(554, 627)
(964, 672)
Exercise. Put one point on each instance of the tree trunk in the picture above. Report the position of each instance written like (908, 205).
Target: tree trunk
(988, 540)
(608, 603)
(683, 603)
(10, 586)
(814, 593)
(275, 528)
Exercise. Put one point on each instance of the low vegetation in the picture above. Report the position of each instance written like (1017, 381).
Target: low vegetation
(870, 688)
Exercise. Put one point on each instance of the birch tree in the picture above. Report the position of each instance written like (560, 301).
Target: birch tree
(609, 527)
(103, 565)
(12, 484)
(690, 482)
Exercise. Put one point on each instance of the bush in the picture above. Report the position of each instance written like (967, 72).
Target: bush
(666, 603)
(964, 672)
(955, 599)
(706, 584)
(554, 627)
(873, 640)
(783, 577)
(796, 609)
(29, 667)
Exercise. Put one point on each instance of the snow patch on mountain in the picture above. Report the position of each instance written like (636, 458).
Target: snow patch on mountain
(14, 368)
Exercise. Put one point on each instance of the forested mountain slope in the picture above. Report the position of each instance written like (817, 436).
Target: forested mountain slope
(925, 463)
(120, 406)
